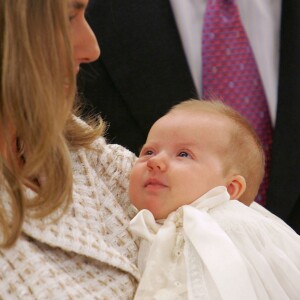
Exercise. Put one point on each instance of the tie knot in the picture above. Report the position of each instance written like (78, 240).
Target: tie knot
(226, 9)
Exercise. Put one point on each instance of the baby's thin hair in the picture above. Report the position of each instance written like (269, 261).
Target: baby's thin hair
(246, 154)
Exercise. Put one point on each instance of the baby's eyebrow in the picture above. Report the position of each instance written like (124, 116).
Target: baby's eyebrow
(187, 144)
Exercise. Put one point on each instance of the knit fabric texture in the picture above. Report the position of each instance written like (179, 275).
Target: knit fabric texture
(89, 252)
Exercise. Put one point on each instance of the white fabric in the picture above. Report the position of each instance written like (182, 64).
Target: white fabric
(217, 248)
(261, 19)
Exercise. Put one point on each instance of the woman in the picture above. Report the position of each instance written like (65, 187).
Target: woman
(63, 210)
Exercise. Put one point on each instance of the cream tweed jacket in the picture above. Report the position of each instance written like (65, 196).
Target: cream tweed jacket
(89, 252)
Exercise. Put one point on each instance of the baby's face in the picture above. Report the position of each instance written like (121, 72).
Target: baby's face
(181, 160)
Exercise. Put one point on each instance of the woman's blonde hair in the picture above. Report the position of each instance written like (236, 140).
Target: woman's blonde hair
(245, 154)
(36, 100)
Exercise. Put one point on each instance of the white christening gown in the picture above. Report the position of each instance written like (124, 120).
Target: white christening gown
(217, 248)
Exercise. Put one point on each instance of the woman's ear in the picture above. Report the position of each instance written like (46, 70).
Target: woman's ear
(236, 187)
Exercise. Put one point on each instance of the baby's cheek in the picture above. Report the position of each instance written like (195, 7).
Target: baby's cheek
(134, 186)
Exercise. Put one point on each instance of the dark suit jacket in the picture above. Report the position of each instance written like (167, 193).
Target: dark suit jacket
(143, 71)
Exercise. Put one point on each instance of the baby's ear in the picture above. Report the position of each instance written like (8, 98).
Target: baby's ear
(236, 187)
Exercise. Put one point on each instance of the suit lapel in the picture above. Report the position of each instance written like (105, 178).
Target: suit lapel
(285, 176)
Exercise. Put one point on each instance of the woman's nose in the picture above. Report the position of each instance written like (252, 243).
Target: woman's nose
(157, 162)
(86, 48)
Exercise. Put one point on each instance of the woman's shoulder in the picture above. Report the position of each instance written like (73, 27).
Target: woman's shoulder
(111, 159)
(103, 150)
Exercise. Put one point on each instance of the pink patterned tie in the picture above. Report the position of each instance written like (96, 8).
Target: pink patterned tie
(230, 72)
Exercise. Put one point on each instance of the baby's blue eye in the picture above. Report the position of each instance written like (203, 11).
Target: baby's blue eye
(183, 154)
(149, 152)
(146, 153)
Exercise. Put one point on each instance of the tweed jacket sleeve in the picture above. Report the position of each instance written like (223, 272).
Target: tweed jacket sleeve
(88, 253)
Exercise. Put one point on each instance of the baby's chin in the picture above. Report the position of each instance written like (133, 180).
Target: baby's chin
(160, 214)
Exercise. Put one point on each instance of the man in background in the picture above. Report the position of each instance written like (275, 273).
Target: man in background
(151, 60)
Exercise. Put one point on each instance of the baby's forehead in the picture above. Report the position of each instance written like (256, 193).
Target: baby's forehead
(185, 121)
(200, 117)
(190, 127)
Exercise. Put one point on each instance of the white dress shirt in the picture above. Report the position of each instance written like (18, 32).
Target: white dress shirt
(261, 20)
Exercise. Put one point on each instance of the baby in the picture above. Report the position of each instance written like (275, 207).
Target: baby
(195, 242)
